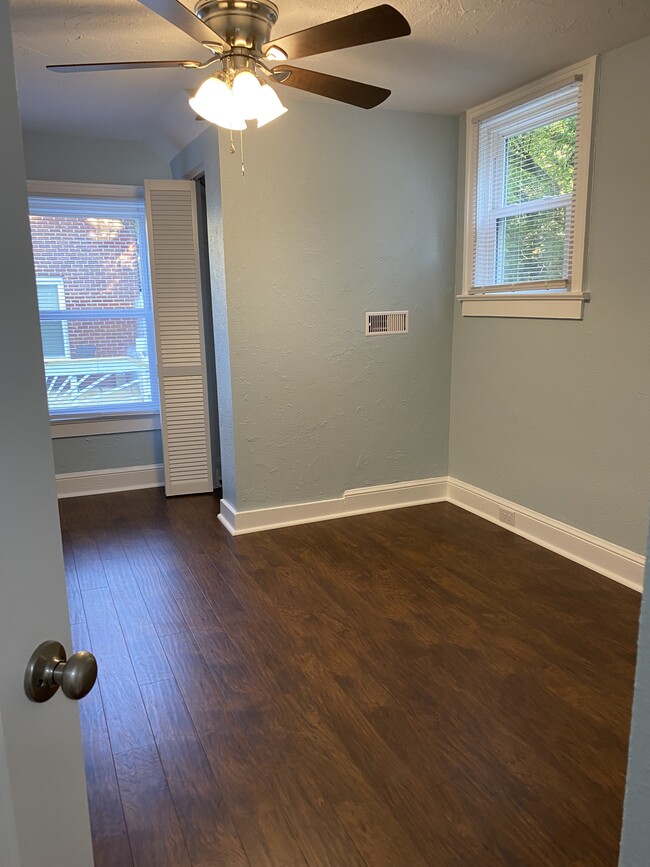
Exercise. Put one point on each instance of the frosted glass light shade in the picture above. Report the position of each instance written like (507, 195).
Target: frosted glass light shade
(230, 107)
(246, 92)
(214, 101)
(268, 105)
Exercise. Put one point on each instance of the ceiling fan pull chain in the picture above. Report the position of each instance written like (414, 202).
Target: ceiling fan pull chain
(232, 144)
(241, 146)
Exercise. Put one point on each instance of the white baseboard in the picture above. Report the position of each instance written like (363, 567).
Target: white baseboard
(597, 554)
(604, 557)
(357, 501)
(109, 481)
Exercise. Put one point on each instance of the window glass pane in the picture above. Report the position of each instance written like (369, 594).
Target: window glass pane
(96, 313)
(532, 246)
(48, 294)
(108, 367)
(540, 162)
(97, 259)
(53, 339)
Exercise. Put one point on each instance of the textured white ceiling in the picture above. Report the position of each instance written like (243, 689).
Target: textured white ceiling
(460, 53)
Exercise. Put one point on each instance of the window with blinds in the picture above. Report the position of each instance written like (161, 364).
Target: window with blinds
(527, 178)
(525, 195)
(94, 299)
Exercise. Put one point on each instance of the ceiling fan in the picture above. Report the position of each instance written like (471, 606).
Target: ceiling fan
(238, 34)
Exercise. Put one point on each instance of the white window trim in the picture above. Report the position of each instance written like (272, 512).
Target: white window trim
(551, 304)
(86, 191)
(97, 425)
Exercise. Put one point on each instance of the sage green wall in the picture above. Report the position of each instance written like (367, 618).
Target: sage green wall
(107, 451)
(81, 159)
(554, 415)
(89, 160)
(636, 813)
(340, 211)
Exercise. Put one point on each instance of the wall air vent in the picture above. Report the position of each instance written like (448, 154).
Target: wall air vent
(388, 322)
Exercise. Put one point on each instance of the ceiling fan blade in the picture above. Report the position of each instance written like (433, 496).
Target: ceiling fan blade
(107, 67)
(360, 28)
(341, 89)
(179, 15)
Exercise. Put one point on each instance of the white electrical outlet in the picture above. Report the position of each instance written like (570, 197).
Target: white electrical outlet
(507, 517)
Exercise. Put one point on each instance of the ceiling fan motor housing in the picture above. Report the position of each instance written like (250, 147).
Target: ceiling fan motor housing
(241, 23)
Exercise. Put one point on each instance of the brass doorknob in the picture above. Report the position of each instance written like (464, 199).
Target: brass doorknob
(49, 668)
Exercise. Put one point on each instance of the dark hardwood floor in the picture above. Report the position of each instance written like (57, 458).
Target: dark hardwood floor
(407, 688)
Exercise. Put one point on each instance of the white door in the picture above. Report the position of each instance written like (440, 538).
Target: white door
(43, 807)
(180, 337)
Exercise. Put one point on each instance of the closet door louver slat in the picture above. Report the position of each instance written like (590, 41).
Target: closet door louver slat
(180, 344)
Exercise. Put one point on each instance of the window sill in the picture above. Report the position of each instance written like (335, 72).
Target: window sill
(97, 425)
(567, 306)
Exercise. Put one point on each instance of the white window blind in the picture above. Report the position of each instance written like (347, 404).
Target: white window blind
(94, 299)
(524, 199)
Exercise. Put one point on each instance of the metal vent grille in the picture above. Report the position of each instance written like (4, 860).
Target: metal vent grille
(387, 322)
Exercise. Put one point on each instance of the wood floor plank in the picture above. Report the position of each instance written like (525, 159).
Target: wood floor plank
(226, 662)
(145, 650)
(462, 738)
(321, 836)
(156, 591)
(207, 825)
(75, 604)
(90, 572)
(126, 718)
(411, 741)
(106, 530)
(66, 543)
(111, 846)
(397, 689)
(195, 608)
(210, 834)
(228, 607)
(154, 830)
(262, 826)
(167, 712)
(534, 709)
(200, 691)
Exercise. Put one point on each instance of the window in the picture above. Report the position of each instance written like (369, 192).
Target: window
(54, 334)
(94, 298)
(526, 199)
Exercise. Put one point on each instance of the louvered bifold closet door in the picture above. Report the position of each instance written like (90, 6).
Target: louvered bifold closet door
(180, 339)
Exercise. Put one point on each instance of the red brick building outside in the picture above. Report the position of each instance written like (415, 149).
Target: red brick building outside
(92, 263)
(96, 261)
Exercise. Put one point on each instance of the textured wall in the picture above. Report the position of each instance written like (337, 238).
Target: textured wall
(76, 159)
(635, 840)
(555, 414)
(340, 211)
(107, 451)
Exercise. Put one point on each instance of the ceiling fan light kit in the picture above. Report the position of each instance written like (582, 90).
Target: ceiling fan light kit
(230, 103)
(269, 106)
(238, 34)
(214, 102)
